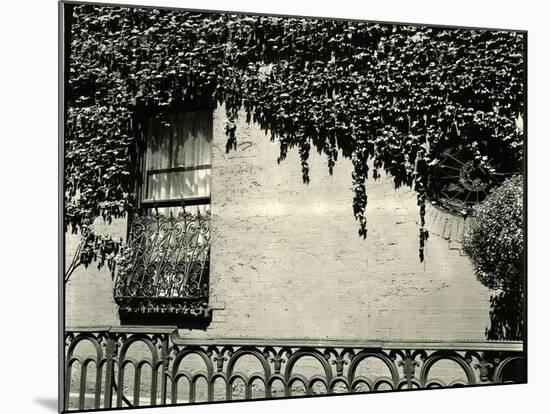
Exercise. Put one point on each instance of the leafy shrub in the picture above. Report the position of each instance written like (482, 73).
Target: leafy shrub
(494, 240)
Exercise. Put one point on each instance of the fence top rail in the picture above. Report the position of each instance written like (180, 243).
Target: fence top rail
(293, 342)
(147, 330)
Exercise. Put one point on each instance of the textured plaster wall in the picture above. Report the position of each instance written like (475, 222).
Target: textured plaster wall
(287, 260)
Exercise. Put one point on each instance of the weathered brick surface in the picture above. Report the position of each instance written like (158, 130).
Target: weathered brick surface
(89, 294)
(287, 259)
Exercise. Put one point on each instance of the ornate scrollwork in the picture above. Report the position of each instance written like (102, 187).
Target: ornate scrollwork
(339, 359)
(219, 362)
(277, 361)
(165, 267)
(409, 364)
(485, 370)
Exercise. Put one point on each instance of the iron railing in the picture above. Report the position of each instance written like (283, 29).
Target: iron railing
(165, 266)
(133, 366)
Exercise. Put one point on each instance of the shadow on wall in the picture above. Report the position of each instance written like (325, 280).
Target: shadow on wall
(188, 322)
(506, 314)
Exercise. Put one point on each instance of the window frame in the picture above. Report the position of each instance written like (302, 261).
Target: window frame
(145, 205)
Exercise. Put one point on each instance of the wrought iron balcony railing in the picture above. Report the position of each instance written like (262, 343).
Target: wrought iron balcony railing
(132, 366)
(165, 266)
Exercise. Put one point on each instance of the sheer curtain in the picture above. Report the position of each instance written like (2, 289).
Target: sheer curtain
(178, 157)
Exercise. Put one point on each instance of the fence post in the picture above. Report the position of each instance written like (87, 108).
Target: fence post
(67, 384)
(110, 351)
(165, 358)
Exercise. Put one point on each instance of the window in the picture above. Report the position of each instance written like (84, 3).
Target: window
(165, 269)
(178, 162)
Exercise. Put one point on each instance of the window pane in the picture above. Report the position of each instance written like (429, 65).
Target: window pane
(174, 211)
(179, 141)
(180, 184)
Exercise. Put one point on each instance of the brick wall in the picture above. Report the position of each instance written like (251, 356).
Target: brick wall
(287, 259)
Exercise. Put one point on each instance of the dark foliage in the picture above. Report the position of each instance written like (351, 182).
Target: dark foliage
(496, 246)
(494, 240)
(507, 315)
(384, 96)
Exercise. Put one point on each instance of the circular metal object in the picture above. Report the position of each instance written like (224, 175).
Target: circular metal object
(457, 184)
(472, 177)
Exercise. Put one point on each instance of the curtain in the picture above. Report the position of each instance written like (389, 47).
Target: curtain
(179, 156)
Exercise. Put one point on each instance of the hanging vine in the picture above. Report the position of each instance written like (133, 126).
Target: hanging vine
(384, 96)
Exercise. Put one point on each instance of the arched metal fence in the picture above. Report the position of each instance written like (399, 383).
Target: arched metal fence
(137, 366)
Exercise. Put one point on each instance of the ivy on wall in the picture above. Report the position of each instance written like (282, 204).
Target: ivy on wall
(384, 96)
